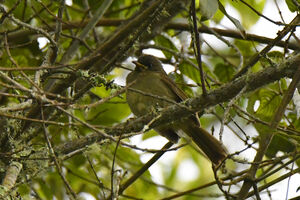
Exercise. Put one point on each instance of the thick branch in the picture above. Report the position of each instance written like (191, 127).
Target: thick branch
(223, 94)
(281, 34)
(198, 104)
(75, 44)
(116, 47)
(16, 36)
(11, 175)
(266, 140)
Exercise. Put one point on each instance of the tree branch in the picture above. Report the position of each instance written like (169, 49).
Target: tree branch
(16, 35)
(115, 48)
(198, 104)
(265, 141)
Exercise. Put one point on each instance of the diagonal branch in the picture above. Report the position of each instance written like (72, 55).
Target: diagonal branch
(75, 44)
(263, 52)
(13, 36)
(197, 104)
(148, 21)
(265, 141)
(144, 168)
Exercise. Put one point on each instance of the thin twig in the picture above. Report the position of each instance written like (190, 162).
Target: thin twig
(145, 167)
(263, 52)
(197, 45)
(52, 153)
(264, 143)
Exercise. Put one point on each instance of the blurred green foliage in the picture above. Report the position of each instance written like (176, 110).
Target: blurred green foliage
(80, 168)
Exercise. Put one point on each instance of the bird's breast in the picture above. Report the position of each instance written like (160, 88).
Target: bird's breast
(143, 96)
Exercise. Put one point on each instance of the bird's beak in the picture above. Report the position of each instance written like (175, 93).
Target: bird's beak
(140, 65)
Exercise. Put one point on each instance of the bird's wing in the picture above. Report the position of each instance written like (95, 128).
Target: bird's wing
(175, 89)
(179, 93)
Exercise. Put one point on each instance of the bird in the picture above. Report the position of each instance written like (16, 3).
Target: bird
(149, 88)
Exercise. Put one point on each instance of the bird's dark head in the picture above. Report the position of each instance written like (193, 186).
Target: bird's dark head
(148, 62)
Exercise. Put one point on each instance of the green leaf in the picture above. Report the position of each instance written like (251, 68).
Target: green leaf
(236, 22)
(190, 71)
(224, 72)
(149, 134)
(178, 78)
(280, 142)
(44, 190)
(110, 112)
(292, 116)
(208, 8)
(245, 47)
(24, 190)
(165, 42)
(218, 17)
(269, 102)
(292, 7)
(273, 57)
(248, 17)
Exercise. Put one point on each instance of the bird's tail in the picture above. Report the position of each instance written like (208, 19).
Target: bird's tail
(212, 148)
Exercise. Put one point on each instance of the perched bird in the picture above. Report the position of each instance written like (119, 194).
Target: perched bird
(150, 88)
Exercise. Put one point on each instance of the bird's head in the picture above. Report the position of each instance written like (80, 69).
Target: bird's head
(148, 62)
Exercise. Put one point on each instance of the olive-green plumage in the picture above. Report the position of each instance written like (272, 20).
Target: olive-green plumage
(151, 89)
